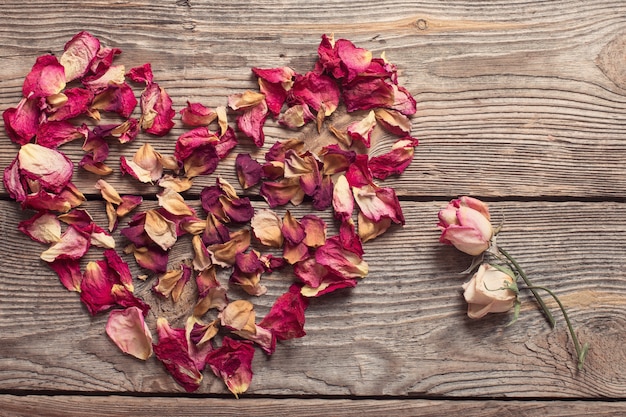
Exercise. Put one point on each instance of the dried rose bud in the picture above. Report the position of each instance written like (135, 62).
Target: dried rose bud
(487, 292)
(465, 224)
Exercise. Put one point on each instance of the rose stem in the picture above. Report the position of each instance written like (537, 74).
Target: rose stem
(529, 284)
(581, 352)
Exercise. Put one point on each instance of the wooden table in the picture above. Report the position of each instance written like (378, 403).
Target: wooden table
(520, 103)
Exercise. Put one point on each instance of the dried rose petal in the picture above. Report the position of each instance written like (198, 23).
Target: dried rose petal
(43, 227)
(77, 103)
(195, 114)
(368, 93)
(286, 317)
(215, 231)
(341, 58)
(248, 170)
(161, 230)
(275, 84)
(54, 134)
(323, 195)
(369, 229)
(50, 168)
(251, 122)
(339, 259)
(69, 273)
(394, 161)
(66, 200)
(173, 282)
(393, 121)
(296, 116)
(314, 230)
(224, 254)
(79, 53)
(46, 78)
(129, 332)
(343, 201)
(335, 159)
(149, 257)
(117, 98)
(178, 184)
(238, 315)
(120, 268)
(361, 130)
(377, 203)
(199, 335)
(279, 193)
(96, 287)
(359, 173)
(247, 273)
(21, 122)
(142, 74)
(174, 203)
(109, 193)
(99, 82)
(318, 91)
(267, 227)
(156, 110)
(73, 244)
(279, 149)
(233, 363)
(172, 350)
(291, 229)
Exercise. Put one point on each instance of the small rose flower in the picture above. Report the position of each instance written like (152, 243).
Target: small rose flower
(488, 292)
(465, 225)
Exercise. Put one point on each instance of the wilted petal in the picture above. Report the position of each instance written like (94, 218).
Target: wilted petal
(161, 230)
(215, 231)
(292, 230)
(174, 203)
(156, 110)
(361, 130)
(172, 350)
(109, 193)
(55, 134)
(129, 332)
(233, 363)
(47, 77)
(314, 230)
(195, 114)
(69, 273)
(369, 229)
(237, 210)
(141, 74)
(199, 335)
(296, 116)
(279, 149)
(78, 55)
(238, 315)
(178, 184)
(286, 317)
(343, 201)
(393, 121)
(279, 193)
(267, 227)
(377, 203)
(49, 167)
(224, 254)
(245, 100)
(343, 262)
(323, 195)
(335, 159)
(248, 170)
(117, 98)
(77, 103)
(119, 268)
(96, 287)
(101, 81)
(173, 282)
(73, 245)
(275, 84)
(247, 273)
(214, 297)
(318, 91)
(394, 161)
(251, 122)
(149, 257)
(43, 227)
(359, 173)
(21, 122)
(201, 258)
(366, 93)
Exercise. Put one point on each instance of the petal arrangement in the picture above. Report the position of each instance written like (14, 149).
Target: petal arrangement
(64, 100)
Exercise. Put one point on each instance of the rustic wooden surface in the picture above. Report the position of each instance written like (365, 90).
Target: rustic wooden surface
(521, 103)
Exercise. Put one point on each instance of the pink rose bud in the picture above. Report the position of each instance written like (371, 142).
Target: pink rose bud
(465, 225)
(487, 292)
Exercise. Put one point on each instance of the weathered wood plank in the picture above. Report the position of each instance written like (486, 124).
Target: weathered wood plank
(401, 331)
(69, 406)
(521, 98)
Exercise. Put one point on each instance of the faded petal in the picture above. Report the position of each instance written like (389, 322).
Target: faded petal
(43, 227)
(49, 167)
(233, 363)
(161, 230)
(248, 170)
(156, 110)
(129, 332)
(267, 227)
(78, 54)
(73, 244)
(172, 350)
(46, 78)
(286, 317)
(69, 273)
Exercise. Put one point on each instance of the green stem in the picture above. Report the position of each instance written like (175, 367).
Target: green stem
(581, 351)
(530, 286)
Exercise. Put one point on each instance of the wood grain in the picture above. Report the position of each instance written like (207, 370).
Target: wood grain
(520, 102)
(70, 406)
